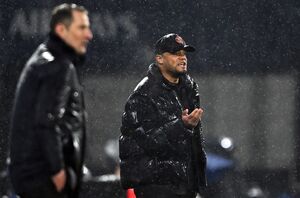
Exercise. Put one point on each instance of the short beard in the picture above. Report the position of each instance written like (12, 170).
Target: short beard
(176, 74)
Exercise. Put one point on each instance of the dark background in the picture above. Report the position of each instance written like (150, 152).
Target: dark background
(247, 64)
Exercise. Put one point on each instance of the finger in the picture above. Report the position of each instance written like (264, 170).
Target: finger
(195, 113)
(201, 113)
(196, 116)
(201, 110)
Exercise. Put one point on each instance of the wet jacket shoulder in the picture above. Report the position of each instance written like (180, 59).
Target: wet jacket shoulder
(153, 137)
(48, 112)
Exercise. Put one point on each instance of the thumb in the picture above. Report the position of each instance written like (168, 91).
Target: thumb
(185, 112)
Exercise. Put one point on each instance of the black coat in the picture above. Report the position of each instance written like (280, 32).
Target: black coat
(48, 122)
(155, 146)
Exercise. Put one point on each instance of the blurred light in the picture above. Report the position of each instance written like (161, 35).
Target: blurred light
(87, 175)
(85, 170)
(226, 143)
(255, 192)
(108, 178)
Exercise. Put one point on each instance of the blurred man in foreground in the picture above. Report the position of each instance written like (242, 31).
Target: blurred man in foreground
(47, 137)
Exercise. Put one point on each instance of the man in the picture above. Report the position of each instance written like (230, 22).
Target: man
(161, 148)
(48, 124)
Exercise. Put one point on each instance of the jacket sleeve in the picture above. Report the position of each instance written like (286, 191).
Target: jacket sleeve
(140, 120)
(50, 107)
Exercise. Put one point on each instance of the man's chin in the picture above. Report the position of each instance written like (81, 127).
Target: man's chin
(179, 73)
(182, 72)
(81, 51)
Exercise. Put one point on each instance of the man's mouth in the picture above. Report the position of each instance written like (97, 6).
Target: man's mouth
(182, 64)
(85, 43)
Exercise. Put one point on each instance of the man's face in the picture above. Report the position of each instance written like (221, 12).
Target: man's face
(174, 63)
(78, 34)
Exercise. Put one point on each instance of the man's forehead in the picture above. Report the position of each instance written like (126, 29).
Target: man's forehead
(80, 17)
(79, 14)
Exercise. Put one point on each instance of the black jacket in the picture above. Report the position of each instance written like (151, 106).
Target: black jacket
(155, 146)
(48, 122)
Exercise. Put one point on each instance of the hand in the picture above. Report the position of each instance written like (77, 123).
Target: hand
(59, 180)
(191, 120)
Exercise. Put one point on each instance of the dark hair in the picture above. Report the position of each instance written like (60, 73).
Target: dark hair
(63, 14)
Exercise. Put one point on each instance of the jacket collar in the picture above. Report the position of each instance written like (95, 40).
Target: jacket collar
(60, 49)
(155, 74)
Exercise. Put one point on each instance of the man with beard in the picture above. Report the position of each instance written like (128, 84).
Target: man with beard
(47, 137)
(161, 146)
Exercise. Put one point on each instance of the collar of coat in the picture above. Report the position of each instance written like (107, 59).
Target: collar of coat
(60, 49)
(155, 74)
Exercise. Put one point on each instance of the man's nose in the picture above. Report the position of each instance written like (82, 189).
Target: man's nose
(89, 34)
(182, 57)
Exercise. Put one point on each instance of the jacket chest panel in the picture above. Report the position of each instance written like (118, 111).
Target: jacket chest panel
(168, 106)
(76, 100)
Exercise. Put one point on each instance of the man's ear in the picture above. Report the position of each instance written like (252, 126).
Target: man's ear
(159, 59)
(60, 30)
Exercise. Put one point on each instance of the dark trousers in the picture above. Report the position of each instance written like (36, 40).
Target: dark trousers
(158, 191)
(45, 190)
